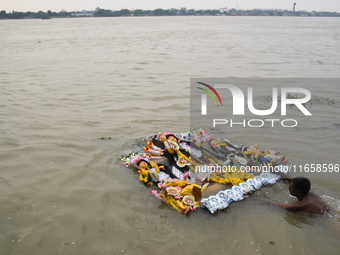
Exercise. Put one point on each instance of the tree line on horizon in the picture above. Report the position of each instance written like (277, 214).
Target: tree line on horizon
(158, 12)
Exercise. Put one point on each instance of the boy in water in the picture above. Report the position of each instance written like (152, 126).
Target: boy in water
(308, 201)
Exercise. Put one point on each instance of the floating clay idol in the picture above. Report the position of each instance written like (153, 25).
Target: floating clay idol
(184, 175)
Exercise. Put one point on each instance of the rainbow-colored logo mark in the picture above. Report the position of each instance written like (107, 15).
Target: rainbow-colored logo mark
(209, 93)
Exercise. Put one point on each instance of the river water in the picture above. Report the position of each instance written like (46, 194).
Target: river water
(66, 83)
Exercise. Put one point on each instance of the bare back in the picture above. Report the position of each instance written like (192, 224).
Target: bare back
(315, 204)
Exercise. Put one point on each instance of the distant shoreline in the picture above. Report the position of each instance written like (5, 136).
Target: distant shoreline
(162, 12)
(49, 18)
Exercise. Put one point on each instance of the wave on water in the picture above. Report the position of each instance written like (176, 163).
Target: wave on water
(333, 202)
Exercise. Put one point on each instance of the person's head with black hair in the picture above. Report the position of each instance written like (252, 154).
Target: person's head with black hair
(300, 186)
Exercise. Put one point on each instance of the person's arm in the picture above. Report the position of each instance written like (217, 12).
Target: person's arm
(297, 206)
(285, 176)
